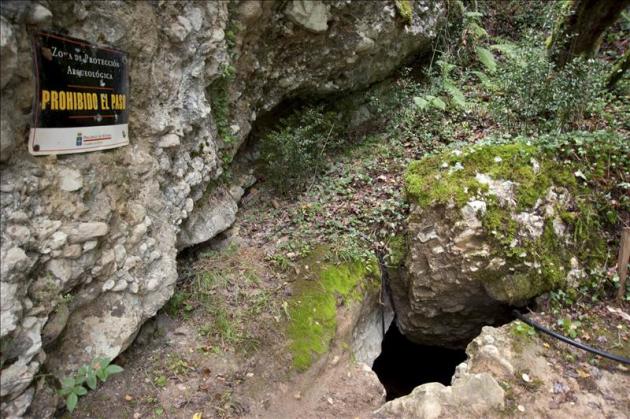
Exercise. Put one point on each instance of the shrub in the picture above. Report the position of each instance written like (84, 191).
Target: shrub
(531, 94)
(295, 152)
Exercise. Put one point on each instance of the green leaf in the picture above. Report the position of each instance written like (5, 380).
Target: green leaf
(67, 382)
(436, 102)
(485, 80)
(66, 390)
(114, 369)
(80, 391)
(445, 66)
(102, 374)
(420, 102)
(486, 58)
(71, 402)
(509, 50)
(91, 379)
(477, 30)
(101, 363)
(456, 95)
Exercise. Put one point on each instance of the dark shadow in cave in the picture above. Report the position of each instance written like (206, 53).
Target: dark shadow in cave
(404, 365)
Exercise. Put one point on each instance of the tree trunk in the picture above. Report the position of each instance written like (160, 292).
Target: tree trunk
(580, 28)
(619, 68)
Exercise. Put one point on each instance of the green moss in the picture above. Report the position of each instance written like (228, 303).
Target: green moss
(218, 93)
(405, 9)
(450, 176)
(397, 250)
(591, 166)
(313, 308)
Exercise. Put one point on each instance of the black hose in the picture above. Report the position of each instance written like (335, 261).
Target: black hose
(565, 339)
(383, 269)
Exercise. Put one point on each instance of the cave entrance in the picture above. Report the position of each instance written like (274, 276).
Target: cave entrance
(404, 365)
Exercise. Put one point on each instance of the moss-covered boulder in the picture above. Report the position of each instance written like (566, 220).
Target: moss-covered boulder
(495, 225)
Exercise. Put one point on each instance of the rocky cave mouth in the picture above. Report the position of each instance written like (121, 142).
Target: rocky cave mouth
(403, 365)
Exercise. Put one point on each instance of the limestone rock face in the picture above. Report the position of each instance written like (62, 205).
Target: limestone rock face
(437, 300)
(89, 241)
(476, 245)
(474, 390)
(506, 373)
(311, 14)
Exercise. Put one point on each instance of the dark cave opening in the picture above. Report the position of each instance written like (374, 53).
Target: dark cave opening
(404, 365)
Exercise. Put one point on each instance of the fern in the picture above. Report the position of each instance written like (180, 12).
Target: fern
(457, 96)
(485, 80)
(486, 58)
(421, 102)
(477, 30)
(509, 50)
(438, 103)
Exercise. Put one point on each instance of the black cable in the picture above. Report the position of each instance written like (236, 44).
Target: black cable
(565, 339)
(382, 268)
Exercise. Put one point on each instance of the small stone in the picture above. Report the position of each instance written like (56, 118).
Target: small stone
(57, 240)
(136, 213)
(90, 245)
(120, 254)
(87, 231)
(61, 269)
(108, 285)
(535, 165)
(121, 285)
(169, 140)
(179, 30)
(19, 233)
(297, 396)
(13, 260)
(138, 233)
(526, 378)
(70, 180)
(39, 14)
(72, 251)
(313, 15)
(8, 66)
(521, 408)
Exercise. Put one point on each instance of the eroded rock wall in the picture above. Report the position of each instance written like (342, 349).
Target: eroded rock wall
(89, 241)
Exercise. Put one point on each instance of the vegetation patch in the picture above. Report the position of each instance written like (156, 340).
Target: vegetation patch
(405, 9)
(312, 311)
